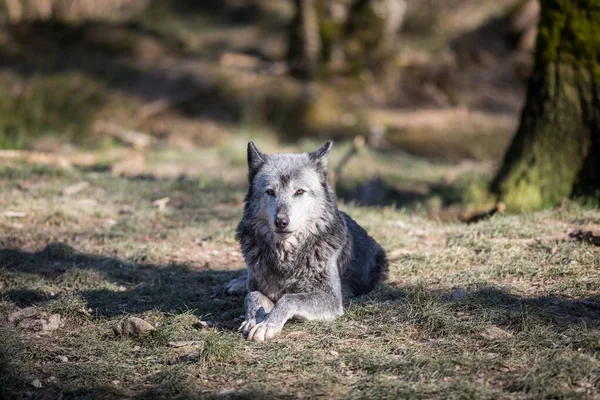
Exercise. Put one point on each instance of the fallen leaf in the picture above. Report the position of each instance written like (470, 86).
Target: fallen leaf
(13, 214)
(74, 189)
(493, 332)
(204, 324)
(161, 203)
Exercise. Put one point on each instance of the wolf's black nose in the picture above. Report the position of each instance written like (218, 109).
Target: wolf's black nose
(281, 222)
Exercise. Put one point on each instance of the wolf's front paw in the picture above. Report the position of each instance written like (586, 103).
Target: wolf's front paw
(263, 331)
(246, 326)
(236, 287)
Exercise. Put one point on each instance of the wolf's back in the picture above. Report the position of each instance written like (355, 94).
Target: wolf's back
(368, 264)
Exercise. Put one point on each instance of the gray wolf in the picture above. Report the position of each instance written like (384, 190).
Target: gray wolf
(303, 255)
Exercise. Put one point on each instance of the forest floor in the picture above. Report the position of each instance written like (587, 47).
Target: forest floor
(507, 307)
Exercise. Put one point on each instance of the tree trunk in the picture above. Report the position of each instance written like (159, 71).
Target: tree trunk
(372, 29)
(326, 34)
(66, 10)
(304, 45)
(556, 150)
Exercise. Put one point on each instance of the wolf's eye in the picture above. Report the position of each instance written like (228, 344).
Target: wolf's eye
(270, 192)
(299, 192)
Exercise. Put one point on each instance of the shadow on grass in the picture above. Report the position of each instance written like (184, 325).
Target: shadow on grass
(442, 312)
(378, 192)
(121, 287)
(11, 370)
(172, 288)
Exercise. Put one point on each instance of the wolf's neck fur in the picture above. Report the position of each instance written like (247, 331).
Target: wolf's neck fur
(313, 245)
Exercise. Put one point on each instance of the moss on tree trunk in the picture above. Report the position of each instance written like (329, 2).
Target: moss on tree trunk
(556, 150)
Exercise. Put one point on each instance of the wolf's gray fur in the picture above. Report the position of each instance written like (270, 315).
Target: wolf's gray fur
(303, 255)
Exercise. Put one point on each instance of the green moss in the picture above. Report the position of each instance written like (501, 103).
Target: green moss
(570, 32)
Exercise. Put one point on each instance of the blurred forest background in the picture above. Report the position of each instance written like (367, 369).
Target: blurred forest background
(426, 95)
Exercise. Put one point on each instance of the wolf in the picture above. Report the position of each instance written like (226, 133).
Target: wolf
(304, 257)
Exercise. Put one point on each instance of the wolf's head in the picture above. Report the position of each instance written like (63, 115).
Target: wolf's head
(289, 193)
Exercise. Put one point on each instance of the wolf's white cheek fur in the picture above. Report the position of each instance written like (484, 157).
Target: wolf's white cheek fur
(300, 210)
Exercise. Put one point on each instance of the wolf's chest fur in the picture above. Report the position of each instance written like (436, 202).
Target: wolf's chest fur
(293, 267)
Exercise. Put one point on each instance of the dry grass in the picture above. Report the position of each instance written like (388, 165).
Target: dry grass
(107, 252)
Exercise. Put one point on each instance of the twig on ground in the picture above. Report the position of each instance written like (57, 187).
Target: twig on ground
(471, 218)
(135, 139)
(357, 144)
(154, 108)
(59, 160)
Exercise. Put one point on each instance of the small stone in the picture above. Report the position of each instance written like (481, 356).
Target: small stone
(62, 359)
(204, 324)
(34, 320)
(20, 315)
(31, 324)
(52, 324)
(493, 332)
(133, 327)
(52, 379)
(36, 383)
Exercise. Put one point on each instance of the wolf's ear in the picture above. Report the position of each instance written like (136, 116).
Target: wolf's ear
(321, 155)
(256, 159)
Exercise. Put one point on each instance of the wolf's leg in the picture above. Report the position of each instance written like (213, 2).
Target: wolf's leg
(257, 307)
(310, 306)
(237, 286)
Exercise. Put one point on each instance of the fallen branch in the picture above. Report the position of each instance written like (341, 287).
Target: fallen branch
(137, 140)
(471, 218)
(357, 144)
(59, 160)
(157, 107)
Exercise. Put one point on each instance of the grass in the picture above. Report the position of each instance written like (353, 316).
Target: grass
(106, 253)
(62, 105)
